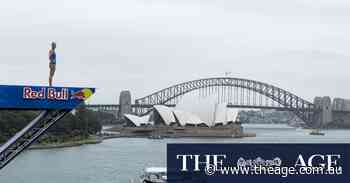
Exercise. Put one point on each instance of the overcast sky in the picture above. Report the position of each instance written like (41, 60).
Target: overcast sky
(146, 45)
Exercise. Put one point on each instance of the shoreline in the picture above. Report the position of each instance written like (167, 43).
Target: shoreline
(98, 140)
(246, 135)
(95, 140)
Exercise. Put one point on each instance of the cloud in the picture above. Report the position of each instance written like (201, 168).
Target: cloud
(148, 45)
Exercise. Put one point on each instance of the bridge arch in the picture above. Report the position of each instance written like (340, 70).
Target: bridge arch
(301, 107)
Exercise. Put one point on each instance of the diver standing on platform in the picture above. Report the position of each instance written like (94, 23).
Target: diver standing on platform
(52, 64)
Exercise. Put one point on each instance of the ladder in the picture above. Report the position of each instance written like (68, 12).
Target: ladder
(25, 137)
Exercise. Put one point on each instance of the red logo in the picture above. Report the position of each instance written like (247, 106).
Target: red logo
(82, 94)
(43, 94)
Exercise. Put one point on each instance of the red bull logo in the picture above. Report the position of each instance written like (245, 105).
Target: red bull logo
(54, 94)
(82, 94)
(42, 97)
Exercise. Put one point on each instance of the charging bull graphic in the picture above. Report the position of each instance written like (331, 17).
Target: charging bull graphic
(82, 94)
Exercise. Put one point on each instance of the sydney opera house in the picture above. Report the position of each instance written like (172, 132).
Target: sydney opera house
(165, 116)
(176, 123)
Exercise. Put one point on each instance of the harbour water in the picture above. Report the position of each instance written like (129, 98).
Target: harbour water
(118, 160)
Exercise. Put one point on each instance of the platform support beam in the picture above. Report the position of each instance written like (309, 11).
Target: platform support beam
(29, 134)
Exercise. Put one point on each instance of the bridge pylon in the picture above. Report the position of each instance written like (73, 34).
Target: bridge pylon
(124, 104)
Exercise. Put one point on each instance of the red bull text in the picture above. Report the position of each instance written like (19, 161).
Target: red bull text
(42, 94)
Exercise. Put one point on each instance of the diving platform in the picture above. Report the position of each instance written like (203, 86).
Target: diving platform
(53, 102)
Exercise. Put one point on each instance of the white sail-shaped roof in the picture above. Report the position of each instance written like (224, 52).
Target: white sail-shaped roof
(165, 113)
(223, 115)
(187, 118)
(220, 114)
(231, 115)
(138, 121)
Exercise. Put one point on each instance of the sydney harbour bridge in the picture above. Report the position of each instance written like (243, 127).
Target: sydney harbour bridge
(236, 93)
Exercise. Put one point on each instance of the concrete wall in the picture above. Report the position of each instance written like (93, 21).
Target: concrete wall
(233, 130)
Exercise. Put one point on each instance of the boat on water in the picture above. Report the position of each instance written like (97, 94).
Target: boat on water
(159, 175)
(154, 175)
(317, 132)
(159, 137)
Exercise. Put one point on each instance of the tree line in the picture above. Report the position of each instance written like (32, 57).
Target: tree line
(79, 125)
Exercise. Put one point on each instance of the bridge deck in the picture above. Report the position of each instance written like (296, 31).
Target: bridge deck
(280, 108)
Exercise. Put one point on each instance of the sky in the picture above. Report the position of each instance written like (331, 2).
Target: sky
(302, 46)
